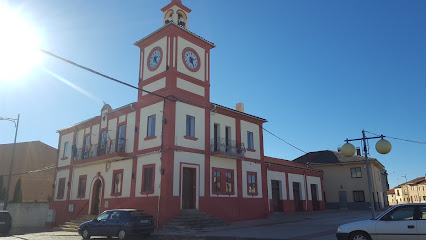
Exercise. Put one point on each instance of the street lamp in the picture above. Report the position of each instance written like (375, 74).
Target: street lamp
(383, 146)
(16, 122)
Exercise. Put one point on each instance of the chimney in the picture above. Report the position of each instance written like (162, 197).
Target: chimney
(358, 151)
(240, 107)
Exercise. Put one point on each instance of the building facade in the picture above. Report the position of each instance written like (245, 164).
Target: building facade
(33, 175)
(173, 149)
(413, 191)
(345, 179)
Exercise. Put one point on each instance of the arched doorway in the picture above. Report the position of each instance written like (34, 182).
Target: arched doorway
(96, 197)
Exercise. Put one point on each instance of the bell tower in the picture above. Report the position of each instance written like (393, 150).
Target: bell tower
(176, 12)
(173, 60)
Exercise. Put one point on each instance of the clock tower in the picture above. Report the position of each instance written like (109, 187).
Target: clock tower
(173, 60)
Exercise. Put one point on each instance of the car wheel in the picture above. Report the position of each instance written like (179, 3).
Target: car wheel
(122, 235)
(359, 236)
(85, 234)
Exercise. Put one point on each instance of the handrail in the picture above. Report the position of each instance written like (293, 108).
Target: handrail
(95, 150)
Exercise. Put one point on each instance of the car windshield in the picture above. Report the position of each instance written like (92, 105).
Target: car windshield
(383, 213)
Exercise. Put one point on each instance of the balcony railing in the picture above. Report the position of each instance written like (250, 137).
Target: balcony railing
(227, 147)
(95, 150)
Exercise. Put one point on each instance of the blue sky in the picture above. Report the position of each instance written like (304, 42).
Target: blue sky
(318, 71)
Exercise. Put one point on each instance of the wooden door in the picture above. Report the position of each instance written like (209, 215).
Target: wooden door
(297, 199)
(314, 194)
(188, 188)
(96, 197)
(343, 201)
(276, 199)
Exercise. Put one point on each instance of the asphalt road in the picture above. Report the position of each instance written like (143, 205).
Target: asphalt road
(301, 226)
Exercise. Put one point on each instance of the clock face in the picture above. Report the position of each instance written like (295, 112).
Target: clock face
(191, 59)
(154, 58)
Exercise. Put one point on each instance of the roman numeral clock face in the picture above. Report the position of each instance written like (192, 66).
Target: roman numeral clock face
(191, 59)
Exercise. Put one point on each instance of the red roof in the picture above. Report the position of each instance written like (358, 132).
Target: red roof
(287, 163)
(392, 191)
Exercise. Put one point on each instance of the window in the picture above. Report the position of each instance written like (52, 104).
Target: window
(356, 172)
(250, 143)
(117, 182)
(223, 181)
(82, 186)
(423, 213)
(87, 147)
(252, 183)
(359, 196)
(397, 192)
(216, 181)
(121, 138)
(61, 188)
(229, 182)
(401, 214)
(151, 126)
(103, 141)
(103, 217)
(190, 126)
(148, 178)
(66, 150)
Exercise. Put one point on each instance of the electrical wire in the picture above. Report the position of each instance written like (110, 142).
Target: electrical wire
(284, 140)
(100, 74)
(53, 166)
(170, 97)
(401, 139)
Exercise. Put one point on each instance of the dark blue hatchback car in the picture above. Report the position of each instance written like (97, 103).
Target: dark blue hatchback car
(5, 222)
(121, 223)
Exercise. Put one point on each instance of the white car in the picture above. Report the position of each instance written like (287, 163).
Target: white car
(400, 222)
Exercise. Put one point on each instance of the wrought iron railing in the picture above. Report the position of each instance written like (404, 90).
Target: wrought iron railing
(95, 150)
(227, 147)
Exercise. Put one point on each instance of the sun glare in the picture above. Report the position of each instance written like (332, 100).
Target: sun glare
(19, 44)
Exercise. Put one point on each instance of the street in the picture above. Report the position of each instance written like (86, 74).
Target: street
(298, 226)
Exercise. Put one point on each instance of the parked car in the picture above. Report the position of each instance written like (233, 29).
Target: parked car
(5, 222)
(121, 223)
(405, 221)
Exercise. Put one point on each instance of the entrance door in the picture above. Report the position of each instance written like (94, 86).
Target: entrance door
(96, 197)
(296, 193)
(188, 188)
(343, 201)
(276, 199)
(314, 194)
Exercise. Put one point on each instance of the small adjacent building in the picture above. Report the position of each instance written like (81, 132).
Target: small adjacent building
(33, 171)
(345, 179)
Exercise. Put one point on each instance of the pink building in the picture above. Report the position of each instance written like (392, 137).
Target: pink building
(165, 155)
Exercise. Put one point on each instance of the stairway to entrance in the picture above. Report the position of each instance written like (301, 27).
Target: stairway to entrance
(72, 226)
(192, 219)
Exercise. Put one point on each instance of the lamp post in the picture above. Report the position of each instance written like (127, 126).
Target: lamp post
(16, 122)
(382, 146)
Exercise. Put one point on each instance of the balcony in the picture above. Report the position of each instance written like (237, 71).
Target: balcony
(110, 149)
(227, 148)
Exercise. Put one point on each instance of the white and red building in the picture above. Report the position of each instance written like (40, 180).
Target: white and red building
(164, 155)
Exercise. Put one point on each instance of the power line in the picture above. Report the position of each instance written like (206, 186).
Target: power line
(283, 140)
(100, 74)
(401, 139)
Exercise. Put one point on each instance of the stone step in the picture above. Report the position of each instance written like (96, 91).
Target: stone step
(192, 220)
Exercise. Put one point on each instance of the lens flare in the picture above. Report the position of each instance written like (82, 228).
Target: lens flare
(19, 44)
